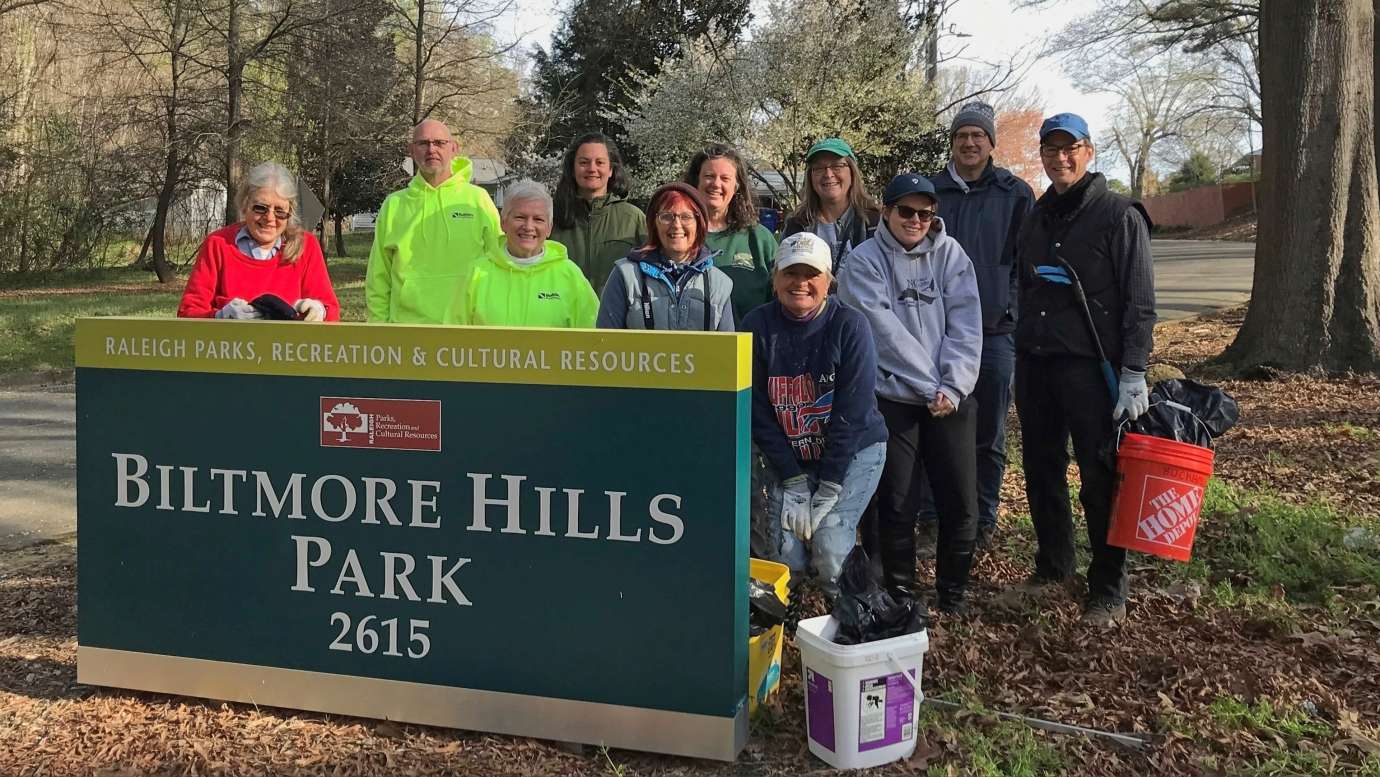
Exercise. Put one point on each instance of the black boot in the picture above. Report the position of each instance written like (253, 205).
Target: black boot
(898, 557)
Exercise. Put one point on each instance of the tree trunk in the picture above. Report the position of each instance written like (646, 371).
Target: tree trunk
(1316, 296)
(418, 76)
(234, 78)
(339, 236)
(144, 252)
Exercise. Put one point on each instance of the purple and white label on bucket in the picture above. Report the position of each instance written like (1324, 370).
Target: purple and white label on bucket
(819, 708)
(886, 711)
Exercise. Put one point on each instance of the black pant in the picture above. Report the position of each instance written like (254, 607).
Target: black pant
(944, 450)
(1058, 397)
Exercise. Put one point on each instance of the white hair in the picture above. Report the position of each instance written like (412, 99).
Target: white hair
(527, 189)
(279, 180)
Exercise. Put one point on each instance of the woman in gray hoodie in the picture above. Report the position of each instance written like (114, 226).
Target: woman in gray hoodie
(918, 290)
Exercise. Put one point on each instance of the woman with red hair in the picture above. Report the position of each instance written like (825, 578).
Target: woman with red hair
(670, 283)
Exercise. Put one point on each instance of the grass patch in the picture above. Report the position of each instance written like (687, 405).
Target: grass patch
(36, 330)
(1289, 739)
(991, 748)
(1358, 433)
(1253, 544)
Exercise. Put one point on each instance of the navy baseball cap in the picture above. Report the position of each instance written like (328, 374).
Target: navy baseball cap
(1071, 123)
(907, 183)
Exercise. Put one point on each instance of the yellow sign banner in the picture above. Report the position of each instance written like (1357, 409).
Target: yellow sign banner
(708, 361)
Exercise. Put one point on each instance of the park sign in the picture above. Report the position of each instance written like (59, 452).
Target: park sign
(524, 531)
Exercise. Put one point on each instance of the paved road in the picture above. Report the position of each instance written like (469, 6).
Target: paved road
(38, 436)
(1199, 276)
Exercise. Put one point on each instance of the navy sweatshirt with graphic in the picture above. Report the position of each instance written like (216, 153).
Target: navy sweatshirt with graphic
(814, 401)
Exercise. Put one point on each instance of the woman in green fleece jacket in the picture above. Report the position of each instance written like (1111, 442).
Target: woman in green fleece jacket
(529, 280)
(594, 220)
(743, 249)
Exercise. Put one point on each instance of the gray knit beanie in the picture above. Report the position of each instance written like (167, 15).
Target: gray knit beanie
(976, 114)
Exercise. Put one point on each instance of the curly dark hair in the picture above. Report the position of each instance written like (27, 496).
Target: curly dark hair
(741, 213)
(569, 206)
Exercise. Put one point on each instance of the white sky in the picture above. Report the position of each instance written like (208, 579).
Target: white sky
(996, 34)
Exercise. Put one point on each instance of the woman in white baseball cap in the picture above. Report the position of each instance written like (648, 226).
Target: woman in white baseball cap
(814, 412)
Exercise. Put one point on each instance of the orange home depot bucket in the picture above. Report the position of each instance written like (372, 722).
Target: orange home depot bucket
(1159, 495)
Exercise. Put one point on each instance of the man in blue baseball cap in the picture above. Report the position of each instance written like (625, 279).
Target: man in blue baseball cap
(1080, 357)
(982, 206)
(916, 286)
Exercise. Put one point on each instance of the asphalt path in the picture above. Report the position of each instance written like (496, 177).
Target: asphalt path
(38, 456)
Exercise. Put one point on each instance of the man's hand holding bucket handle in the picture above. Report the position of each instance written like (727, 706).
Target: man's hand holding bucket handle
(1133, 397)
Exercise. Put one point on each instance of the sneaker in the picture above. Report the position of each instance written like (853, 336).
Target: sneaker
(926, 539)
(1103, 613)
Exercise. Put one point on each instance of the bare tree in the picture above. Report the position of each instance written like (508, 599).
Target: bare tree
(455, 63)
(1316, 296)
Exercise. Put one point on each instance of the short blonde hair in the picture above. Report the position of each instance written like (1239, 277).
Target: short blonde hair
(277, 179)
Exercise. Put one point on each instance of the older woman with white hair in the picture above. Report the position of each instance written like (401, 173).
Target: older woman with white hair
(265, 265)
(529, 280)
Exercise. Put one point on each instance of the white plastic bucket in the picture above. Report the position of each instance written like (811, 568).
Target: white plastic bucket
(861, 701)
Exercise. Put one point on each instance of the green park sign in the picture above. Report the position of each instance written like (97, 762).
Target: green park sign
(523, 531)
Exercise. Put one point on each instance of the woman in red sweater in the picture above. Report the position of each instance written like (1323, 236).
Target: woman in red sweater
(266, 252)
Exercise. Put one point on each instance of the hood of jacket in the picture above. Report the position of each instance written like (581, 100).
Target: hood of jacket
(461, 169)
(552, 253)
(926, 246)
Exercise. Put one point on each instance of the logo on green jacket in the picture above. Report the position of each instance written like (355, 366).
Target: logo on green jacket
(742, 260)
(461, 214)
(548, 295)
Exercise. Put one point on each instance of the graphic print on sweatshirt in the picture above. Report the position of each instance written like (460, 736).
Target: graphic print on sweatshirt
(803, 407)
(918, 290)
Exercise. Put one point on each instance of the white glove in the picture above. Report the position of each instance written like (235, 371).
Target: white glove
(795, 506)
(311, 309)
(1133, 398)
(238, 310)
(823, 501)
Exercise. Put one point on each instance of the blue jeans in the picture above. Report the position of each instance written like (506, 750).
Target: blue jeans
(838, 532)
(993, 395)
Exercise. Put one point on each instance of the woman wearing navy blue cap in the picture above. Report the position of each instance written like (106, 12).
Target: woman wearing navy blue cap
(918, 289)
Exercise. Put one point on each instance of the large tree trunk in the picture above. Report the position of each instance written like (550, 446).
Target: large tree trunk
(1316, 296)
(340, 236)
(234, 72)
(418, 74)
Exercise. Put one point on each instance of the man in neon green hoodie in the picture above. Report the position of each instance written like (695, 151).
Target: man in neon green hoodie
(529, 280)
(429, 237)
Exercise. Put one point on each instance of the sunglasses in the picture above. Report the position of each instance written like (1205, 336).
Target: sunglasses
(278, 213)
(907, 213)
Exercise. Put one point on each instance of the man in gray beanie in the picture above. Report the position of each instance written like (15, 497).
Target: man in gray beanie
(982, 206)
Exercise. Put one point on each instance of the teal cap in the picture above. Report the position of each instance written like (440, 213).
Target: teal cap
(832, 145)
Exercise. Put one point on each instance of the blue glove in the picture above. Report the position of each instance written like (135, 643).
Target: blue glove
(795, 506)
(1053, 274)
(821, 504)
(1133, 398)
(238, 310)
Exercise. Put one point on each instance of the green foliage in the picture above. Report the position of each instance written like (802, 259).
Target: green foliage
(991, 748)
(1257, 544)
(1197, 170)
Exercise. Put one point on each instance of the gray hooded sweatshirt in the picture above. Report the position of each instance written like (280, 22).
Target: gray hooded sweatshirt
(925, 314)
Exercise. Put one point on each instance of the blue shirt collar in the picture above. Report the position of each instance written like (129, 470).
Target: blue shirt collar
(251, 248)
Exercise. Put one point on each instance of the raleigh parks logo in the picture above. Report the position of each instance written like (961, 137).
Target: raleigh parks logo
(1171, 513)
(392, 424)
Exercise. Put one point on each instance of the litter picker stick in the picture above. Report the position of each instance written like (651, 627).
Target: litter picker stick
(1092, 328)
(1129, 740)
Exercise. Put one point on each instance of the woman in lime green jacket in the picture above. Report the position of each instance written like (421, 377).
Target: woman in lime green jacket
(529, 280)
(594, 220)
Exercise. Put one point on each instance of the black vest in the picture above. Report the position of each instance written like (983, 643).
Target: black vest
(1051, 321)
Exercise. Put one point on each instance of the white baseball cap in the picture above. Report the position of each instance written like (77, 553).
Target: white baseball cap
(804, 248)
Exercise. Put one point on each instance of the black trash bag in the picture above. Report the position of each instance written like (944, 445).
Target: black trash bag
(1210, 413)
(866, 612)
(765, 608)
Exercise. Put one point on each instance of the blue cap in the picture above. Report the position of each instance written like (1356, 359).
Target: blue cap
(907, 183)
(1071, 123)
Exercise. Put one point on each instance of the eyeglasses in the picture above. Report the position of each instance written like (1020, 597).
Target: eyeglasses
(263, 210)
(436, 144)
(970, 137)
(668, 218)
(838, 167)
(1053, 152)
(907, 213)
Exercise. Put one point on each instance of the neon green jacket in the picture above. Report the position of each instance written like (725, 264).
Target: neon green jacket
(551, 292)
(427, 242)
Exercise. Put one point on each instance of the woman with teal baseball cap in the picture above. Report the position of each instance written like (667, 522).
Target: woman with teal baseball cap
(835, 205)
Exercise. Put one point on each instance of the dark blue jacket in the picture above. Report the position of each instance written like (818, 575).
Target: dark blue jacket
(814, 401)
(985, 219)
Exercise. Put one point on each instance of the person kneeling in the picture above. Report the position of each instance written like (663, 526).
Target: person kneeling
(529, 280)
(814, 411)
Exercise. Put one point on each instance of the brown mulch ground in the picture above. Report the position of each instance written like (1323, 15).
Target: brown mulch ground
(1239, 228)
(1306, 439)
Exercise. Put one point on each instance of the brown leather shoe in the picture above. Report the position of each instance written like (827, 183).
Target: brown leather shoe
(1103, 613)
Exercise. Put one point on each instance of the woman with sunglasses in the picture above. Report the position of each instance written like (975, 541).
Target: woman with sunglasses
(835, 206)
(670, 283)
(265, 253)
(918, 290)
